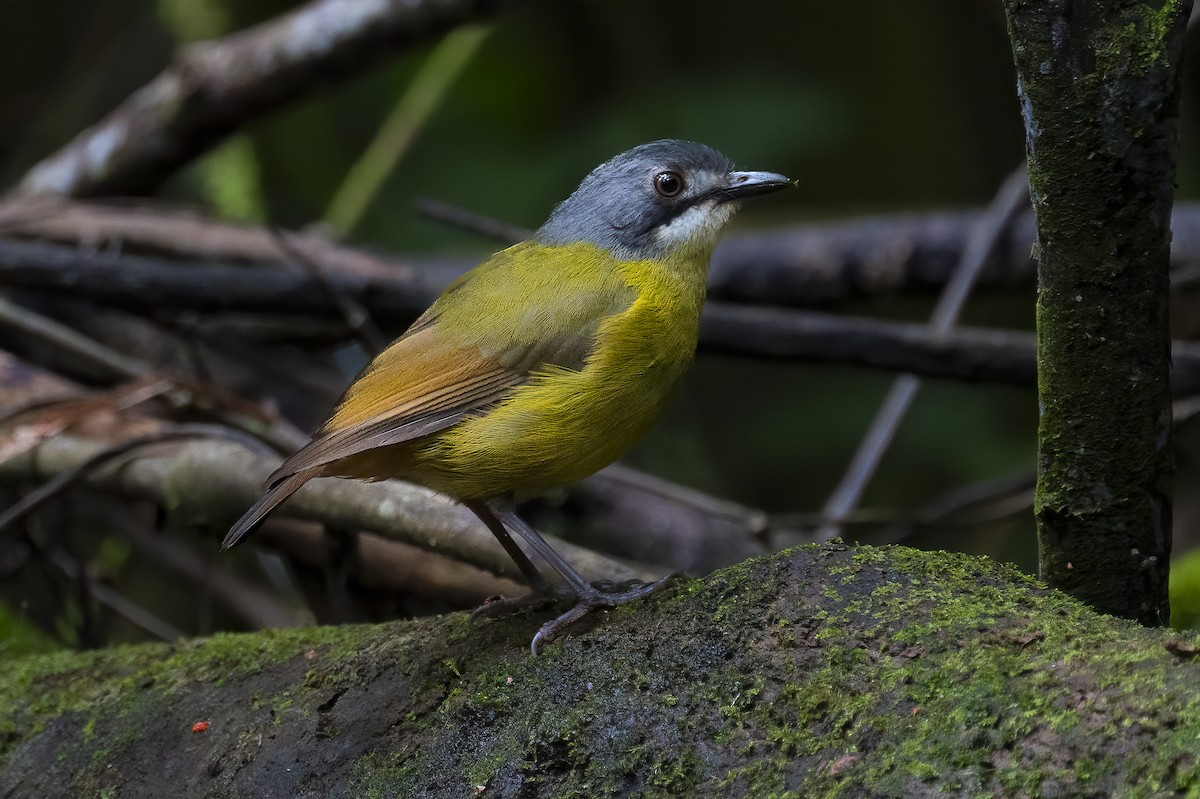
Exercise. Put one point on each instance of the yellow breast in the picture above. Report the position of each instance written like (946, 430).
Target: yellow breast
(565, 424)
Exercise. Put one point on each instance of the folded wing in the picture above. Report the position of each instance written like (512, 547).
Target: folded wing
(479, 341)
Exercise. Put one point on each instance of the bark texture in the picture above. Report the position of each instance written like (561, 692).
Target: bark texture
(824, 671)
(1098, 85)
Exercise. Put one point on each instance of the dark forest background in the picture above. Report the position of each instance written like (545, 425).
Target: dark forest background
(876, 108)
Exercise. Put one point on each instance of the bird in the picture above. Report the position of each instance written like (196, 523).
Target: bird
(544, 363)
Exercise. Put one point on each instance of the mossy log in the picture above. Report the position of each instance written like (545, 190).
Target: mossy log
(823, 671)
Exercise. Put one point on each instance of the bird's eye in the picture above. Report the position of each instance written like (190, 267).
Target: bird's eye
(668, 184)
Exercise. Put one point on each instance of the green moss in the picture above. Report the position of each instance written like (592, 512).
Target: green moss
(936, 709)
(376, 774)
(117, 695)
(925, 671)
(672, 777)
(1140, 45)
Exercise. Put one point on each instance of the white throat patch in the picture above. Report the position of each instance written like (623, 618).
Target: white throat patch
(698, 226)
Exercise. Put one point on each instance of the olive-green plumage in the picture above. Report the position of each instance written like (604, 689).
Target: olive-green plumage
(549, 360)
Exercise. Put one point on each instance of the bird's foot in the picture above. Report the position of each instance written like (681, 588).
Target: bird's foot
(548, 594)
(601, 596)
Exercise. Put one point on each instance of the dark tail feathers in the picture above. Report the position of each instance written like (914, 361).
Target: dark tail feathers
(252, 518)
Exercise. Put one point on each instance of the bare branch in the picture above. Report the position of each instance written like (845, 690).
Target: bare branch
(107, 457)
(178, 232)
(390, 565)
(828, 262)
(619, 511)
(143, 282)
(217, 87)
(967, 353)
(217, 480)
(804, 265)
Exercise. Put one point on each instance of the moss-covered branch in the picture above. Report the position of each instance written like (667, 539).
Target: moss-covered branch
(820, 672)
(1099, 86)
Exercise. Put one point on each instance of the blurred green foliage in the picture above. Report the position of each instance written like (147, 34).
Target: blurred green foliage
(1185, 591)
(19, 636)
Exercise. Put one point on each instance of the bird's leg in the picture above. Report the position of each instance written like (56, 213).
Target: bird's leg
(588, 598)
(532, 575)
(540, 593)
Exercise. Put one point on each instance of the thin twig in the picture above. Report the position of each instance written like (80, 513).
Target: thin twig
(950, 505)
(974, 503)
(1002, 507)
(1010, 199)
(257, 607)
(355, 314)
(480, 224)
(65, 339)
(119, 367)
(106, 596)
(414, 108)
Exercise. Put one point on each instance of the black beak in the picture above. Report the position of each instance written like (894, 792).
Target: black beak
(751, 184)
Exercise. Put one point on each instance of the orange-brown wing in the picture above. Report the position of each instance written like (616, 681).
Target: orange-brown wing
(415, 387)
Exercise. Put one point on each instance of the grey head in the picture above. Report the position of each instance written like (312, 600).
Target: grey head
(655, 199)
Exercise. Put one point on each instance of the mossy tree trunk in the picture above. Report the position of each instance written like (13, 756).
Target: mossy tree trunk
(1098, 84)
